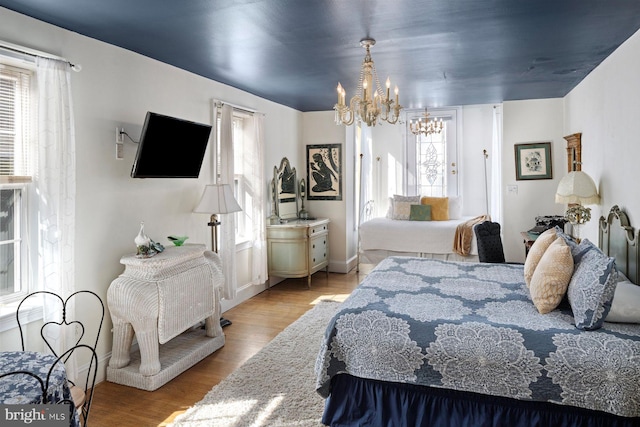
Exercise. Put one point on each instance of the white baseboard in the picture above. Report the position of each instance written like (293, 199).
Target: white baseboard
(101, 374)
(342, 266)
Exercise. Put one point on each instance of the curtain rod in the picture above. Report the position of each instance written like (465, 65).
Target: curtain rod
(33, 52)
(219, 104)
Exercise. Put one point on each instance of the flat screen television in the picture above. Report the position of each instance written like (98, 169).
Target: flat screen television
(170, 148)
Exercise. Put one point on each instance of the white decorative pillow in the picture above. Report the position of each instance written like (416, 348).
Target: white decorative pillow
(551, 277)
(536, 252)
(402, 210)
(625, 307)
(412, 199)
(592, 288)
(390, 209)
(455, 207)
(402, 206)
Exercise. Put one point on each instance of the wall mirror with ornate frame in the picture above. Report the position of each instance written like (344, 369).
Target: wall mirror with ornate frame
(286, 184)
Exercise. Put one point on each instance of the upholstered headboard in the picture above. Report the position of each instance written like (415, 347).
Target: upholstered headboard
(618, 239)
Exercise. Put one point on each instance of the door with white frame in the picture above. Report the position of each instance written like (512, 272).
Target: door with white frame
(432, 160)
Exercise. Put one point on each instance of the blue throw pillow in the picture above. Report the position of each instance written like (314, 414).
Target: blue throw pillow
(578, 251)
(591, 288)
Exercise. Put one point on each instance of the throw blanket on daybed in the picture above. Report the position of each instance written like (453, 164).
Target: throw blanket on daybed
(472, 327)
(464, 235)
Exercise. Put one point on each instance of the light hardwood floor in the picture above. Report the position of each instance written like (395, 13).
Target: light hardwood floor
(255, 323)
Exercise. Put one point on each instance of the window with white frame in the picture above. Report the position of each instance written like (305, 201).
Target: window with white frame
(16, 166)
(241, 184)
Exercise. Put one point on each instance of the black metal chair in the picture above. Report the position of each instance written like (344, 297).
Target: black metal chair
(83, 349)
(489, 242)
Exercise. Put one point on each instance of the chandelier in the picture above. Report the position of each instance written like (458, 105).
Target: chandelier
(425, 126)
(371, 104)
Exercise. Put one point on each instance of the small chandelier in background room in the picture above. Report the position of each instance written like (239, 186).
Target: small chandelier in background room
(370, 104)
(425, 126)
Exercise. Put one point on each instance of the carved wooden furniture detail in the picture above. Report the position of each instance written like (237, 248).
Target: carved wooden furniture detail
(574, 152)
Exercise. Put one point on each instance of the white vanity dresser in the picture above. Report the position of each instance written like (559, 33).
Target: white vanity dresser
(298, 248)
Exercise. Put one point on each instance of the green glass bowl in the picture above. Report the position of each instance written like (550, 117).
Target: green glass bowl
(178, 240)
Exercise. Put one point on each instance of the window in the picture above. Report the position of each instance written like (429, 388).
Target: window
(241, 185)
(432, 159)
(15, 177)
(244, 230)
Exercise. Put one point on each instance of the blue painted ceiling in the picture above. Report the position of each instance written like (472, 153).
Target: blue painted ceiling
(439, 52)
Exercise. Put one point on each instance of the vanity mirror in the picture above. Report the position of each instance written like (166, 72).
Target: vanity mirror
(285, 191)
(303, 214)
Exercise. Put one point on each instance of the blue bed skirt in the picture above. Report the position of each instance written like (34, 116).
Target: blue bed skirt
(361, 402)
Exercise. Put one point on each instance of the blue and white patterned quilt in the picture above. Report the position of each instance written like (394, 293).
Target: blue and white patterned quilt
(472, 327)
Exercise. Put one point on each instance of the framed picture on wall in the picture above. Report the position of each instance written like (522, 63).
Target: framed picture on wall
(533, 161)
(324, 172)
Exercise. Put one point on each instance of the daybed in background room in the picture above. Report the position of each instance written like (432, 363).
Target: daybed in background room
(420, 226)
(425, 342)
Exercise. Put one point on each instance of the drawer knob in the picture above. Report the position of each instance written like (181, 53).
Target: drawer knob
(314, 246)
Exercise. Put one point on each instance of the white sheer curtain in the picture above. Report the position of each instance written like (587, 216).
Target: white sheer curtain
(366, 175)
(55, 185)
(496, 167)
(228, 227)
(254, 159)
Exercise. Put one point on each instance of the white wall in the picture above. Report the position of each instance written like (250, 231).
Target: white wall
(524, 122)
(116, 88)
(477, 135)
(605, 107)
(320, 128)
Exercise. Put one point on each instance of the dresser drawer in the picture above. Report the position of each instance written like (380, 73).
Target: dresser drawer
(318, 229)
(319, 251)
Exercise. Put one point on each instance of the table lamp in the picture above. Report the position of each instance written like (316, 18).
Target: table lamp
(217, 199)
(577, 188)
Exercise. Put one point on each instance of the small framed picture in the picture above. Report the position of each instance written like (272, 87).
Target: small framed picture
(533, 161)
(324, 172)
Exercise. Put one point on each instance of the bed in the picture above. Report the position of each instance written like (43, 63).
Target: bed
(442, 343)
(397, 235)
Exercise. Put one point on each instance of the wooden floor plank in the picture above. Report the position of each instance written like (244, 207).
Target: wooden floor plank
(255, 323)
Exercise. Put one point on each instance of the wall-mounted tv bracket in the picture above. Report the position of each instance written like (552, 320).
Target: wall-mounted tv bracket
(120, 134)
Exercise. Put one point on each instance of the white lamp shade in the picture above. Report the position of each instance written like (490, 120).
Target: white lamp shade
(577, 187)
(217, 199)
